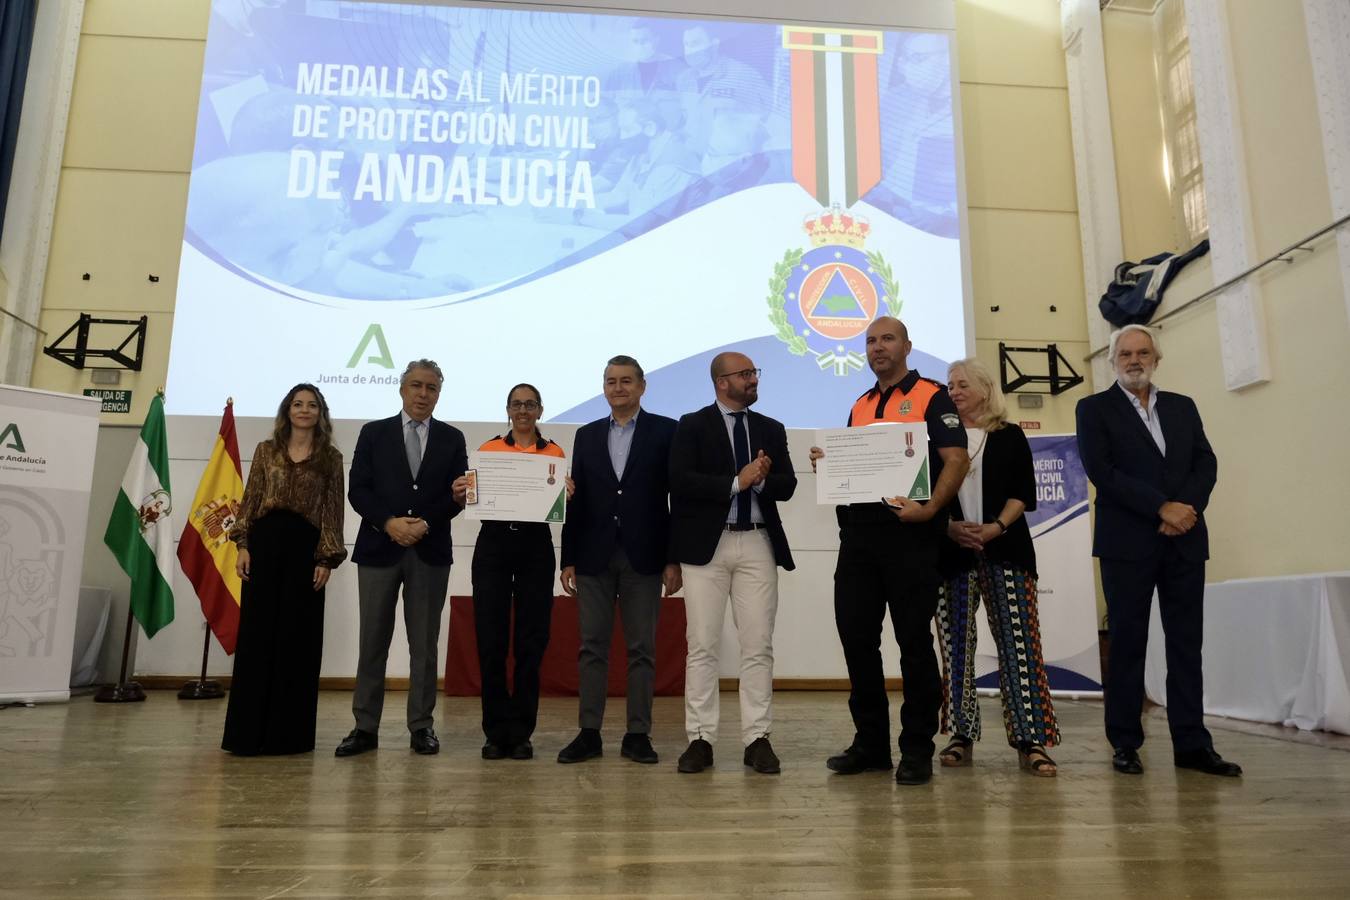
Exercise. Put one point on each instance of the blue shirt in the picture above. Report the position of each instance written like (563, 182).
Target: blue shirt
(1149, 415)
(621, 442)
(730, 421)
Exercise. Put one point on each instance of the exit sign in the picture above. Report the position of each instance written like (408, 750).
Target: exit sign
(113, 401)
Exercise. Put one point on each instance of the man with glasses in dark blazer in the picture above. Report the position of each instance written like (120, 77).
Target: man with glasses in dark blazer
(400, 485)
(1145, 451)
(615, 549)
(729, 470)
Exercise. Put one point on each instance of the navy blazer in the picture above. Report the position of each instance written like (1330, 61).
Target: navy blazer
(381, 486)
(702, 465)
(632, 512)
(1133, 479)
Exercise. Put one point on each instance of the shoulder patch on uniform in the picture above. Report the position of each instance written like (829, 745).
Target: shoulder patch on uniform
(933, 382)
(951, 420)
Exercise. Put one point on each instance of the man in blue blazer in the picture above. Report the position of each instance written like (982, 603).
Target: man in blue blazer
(729, 470)
(400, 485)
(1145, 451)
(615, 546)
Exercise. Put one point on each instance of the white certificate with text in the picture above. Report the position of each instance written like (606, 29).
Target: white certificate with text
(863, 465)
(518, 487)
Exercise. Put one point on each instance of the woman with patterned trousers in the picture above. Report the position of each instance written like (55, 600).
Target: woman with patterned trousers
(990, 558)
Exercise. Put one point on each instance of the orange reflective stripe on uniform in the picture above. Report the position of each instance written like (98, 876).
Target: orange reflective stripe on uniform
(505, 445)
(875, 406)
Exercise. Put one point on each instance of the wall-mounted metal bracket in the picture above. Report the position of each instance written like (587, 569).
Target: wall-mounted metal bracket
(1060, 375)
(78, 356)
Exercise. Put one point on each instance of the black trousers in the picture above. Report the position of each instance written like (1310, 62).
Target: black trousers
(513, 572)
(1129, 586)
(274, 695)
(881, 567)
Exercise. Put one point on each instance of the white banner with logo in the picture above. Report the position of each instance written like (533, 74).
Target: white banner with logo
(1061, 531)
(47, 443)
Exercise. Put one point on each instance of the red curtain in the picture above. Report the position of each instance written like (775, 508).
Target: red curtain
(558, 677)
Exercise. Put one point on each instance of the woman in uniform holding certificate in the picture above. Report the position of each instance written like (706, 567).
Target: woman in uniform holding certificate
(513, 569)
(989, 556)
(289, 534)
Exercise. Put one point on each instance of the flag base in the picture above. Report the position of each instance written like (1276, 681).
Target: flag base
(124, 692)
(201, 690)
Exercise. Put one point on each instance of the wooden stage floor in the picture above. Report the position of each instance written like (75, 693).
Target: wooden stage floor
(137, 801)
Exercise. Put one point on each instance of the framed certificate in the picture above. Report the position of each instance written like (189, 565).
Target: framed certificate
(517, 487)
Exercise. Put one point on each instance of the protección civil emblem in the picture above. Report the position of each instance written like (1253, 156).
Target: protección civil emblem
(821, 300)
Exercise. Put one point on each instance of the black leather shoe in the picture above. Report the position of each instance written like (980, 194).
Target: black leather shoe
(1126, 761)
(523, 750)
(696, 757)
(357, 741)
(1207, 761)
(854, 761)
(424, 741)
(494, 750)
(760, 757)
(638, 748)
(584, 746)
(914, 770)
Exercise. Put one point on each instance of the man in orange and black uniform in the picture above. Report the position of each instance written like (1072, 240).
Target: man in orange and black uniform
(888, 559)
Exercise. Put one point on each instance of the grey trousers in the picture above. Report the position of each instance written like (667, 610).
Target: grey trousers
(639, 602)
(424, 588)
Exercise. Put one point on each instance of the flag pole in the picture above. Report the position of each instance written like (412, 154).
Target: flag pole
(124, 691)
(201, 689)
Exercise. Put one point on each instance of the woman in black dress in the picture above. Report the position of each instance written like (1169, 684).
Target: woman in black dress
(289, 534)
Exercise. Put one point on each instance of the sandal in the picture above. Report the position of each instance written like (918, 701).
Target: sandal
(960, 752)
(1036, 761)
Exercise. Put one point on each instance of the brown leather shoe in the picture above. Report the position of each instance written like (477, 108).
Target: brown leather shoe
(760, 757)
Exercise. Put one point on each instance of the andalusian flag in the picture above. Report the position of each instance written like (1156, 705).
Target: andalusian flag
(205, 549)
(139, 533)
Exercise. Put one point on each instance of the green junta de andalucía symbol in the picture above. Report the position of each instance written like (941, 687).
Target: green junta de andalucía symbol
(822, 300)
(10, 439)
(382, 357)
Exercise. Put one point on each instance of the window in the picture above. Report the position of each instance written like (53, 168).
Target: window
(1181, 136)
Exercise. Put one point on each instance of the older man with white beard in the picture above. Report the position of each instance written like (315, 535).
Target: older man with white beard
(1145, 451)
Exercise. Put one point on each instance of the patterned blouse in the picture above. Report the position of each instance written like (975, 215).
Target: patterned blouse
(312, 488)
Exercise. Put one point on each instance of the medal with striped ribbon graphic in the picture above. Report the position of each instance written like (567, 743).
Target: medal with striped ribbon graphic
(821, 300)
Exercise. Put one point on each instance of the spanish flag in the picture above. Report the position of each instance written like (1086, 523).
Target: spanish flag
(205, 550)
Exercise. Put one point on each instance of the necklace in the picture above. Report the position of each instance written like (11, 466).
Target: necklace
(976, 457)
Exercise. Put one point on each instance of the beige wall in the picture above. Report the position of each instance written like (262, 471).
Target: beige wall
(1024, 243)
(1282, 500)
(123, 191)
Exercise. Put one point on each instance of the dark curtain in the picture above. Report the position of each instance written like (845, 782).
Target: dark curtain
(16, 44)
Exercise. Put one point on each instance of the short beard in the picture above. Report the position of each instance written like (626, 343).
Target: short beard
(745, 398)
(1135, 382)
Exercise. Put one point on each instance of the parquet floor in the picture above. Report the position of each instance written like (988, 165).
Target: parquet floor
(137, 801)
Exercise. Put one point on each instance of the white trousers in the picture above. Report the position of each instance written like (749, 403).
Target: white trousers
(743, 570)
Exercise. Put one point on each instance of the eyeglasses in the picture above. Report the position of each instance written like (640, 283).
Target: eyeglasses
(526, 405)
(747, 374)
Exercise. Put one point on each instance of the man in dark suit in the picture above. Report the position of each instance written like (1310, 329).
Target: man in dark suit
(400, 485)
(1145, 451)
(729, 468)
(615, 546)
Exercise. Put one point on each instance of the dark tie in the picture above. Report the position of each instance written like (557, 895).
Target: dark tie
(741, 444)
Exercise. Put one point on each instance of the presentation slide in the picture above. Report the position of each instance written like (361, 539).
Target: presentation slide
(520, 195)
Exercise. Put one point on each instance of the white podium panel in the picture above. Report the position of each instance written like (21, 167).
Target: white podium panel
(46, 462)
